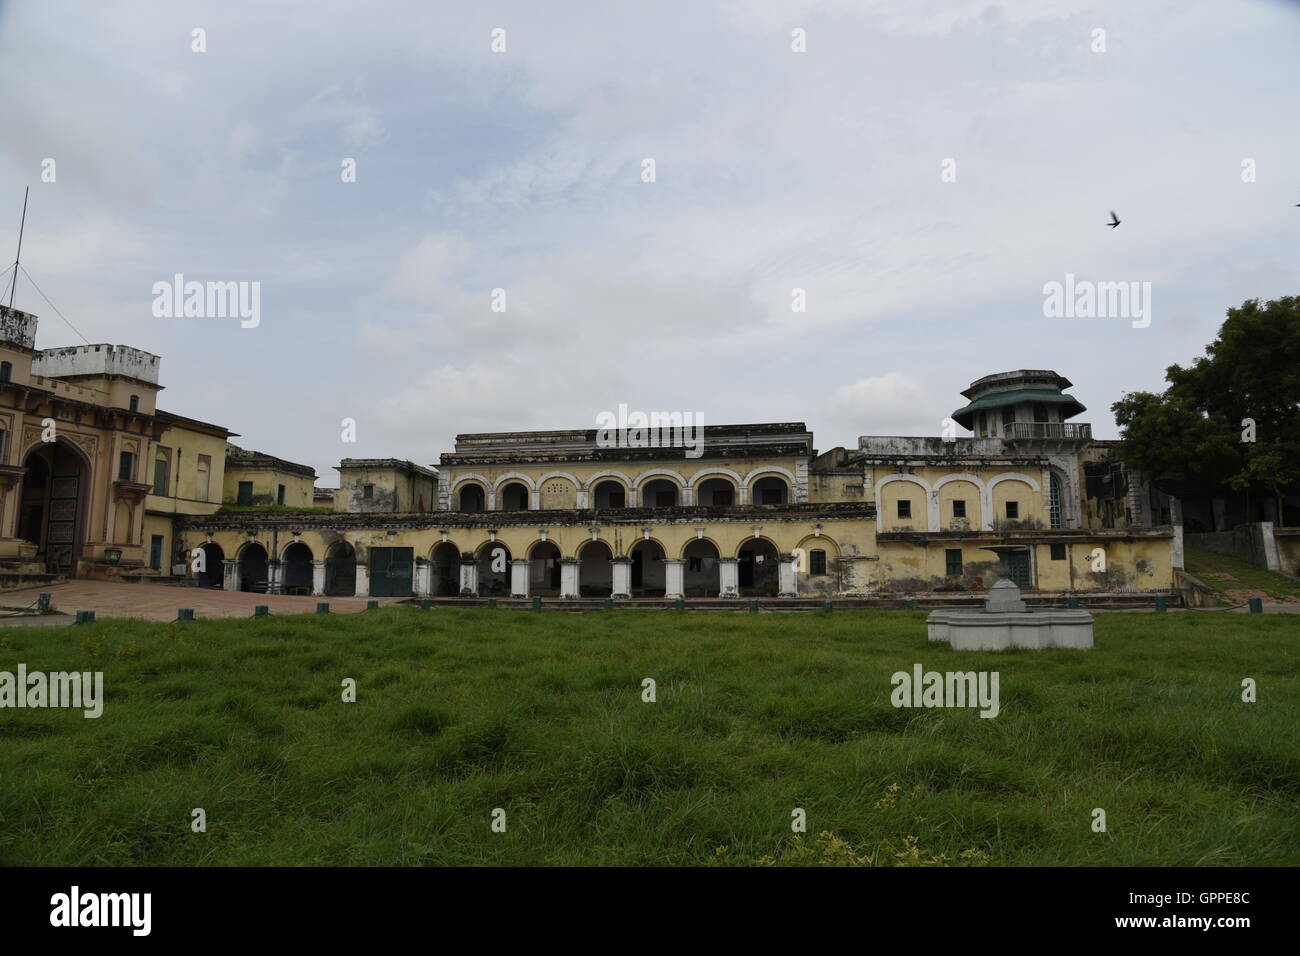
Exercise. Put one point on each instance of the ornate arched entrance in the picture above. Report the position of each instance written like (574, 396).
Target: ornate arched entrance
(52, 511)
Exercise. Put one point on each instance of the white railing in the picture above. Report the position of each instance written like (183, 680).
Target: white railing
(1047, 430)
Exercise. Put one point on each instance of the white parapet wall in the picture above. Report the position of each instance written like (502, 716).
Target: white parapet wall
(97, 360)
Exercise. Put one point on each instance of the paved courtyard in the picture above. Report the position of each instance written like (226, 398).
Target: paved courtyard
(158, 602)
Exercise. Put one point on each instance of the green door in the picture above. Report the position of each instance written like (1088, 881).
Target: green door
(1018, 566)
(390, 572)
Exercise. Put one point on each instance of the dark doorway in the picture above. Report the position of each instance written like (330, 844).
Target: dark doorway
(758, 569)
(51, 511)
(297, 569)
(252, 568)
(445, 570)
(212, 567)
(341, 570)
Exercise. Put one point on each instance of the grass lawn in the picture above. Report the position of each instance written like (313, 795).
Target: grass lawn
(460, 711)
(1240, 579)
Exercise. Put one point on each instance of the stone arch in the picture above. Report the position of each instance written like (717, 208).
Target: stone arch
(600, 496)
(473, 488)
(493, 569)
(545, 498)
(513, 496)
(702, 570)
(758, 567)
(296, 568)
(831, 578)
(761, 486)
(254, 564)
(767, 471)
(595, 571)
(657, 474)
(213, 573)
(341, 570)
(544, 559)
(50, 466)
(725, 475)
(890, 479)
(937, 518)
(444, 569)
(989, 515)
(587, 491)
(649, 575)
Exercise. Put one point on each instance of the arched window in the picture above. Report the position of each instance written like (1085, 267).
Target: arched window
(1054, 500)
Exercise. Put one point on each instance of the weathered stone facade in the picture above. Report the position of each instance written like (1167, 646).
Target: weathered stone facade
(757, 512)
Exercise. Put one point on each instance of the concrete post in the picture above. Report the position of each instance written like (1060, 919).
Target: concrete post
(519, 579)
(622, 578)
(363, 580)
(674, 579)
(229, 575)
(569, 578)
(468, 578)
(787, 587)
(318, 578)
(423, 578)
(728, 578)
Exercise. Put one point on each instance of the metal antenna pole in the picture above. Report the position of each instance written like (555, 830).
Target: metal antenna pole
(18, 257)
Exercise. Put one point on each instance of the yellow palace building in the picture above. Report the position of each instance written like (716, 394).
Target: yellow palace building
(722, 511)
(97, 481)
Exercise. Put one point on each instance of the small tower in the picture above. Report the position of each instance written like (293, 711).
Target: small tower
(1027, 403)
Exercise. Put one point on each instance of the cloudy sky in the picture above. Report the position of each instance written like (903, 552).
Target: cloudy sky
(523, 170)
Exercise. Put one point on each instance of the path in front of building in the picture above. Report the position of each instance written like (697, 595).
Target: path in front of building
(159, 602)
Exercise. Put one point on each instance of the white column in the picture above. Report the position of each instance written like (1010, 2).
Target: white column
(728, 578)
(569, 578)
(519, 579)
(275, 577)
(363, 580)
(229, 575)
(786, 587)
(622, 578)
(423, 577)
(318, 577)
(468, 578)
(674, 578)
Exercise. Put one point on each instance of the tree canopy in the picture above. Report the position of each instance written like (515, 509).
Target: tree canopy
(1231, 419)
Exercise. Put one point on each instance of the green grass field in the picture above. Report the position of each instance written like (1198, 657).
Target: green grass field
(462, 711)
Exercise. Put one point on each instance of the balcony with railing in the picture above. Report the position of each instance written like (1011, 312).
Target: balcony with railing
(1067, 430)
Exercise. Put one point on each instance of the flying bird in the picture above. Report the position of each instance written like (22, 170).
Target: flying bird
(1114, 219)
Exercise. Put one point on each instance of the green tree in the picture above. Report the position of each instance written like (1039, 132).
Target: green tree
(1229, 420)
